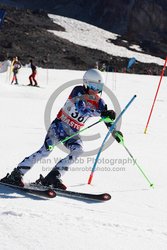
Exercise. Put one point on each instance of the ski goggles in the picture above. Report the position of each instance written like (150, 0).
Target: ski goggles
(96, 86)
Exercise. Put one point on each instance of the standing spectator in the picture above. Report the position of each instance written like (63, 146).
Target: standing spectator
(103, 68)
(97, 65)
(16, 65)
(33, 82)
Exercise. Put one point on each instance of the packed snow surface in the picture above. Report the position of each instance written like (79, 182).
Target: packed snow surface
(136, 216)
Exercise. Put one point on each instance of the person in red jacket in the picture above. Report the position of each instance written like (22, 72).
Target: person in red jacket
(33, 82)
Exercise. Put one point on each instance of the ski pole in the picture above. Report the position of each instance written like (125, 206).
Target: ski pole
(135, 163)
(106, 137)
(105, 119)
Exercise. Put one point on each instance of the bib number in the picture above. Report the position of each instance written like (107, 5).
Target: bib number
(77, 116)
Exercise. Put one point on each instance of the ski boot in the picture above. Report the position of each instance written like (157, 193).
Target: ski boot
(15, 178)
(36, 85)
(52, 180)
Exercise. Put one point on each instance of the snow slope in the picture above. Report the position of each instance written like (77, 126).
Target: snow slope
(136, 216)
(90, 36)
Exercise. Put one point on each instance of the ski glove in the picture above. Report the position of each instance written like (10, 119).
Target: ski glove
(118, 136)
(108, 113)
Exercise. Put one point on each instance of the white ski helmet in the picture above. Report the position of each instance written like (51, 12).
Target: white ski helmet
(93, 79)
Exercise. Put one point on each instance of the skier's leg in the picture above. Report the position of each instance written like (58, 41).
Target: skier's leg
(33, 77)
(53, 178)
(14, 78)
(50, 140)
(30, 80)
(16, 81)
(75, 147)
(25, 165)
(16, 175)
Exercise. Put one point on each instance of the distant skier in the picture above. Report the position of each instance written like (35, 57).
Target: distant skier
(16, 65)
(32, 80)
(84, 102)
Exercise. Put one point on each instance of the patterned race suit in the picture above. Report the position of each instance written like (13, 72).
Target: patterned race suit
(79, 106)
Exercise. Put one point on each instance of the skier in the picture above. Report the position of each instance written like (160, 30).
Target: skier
(33, 74)
(16, 65)
(84, 102)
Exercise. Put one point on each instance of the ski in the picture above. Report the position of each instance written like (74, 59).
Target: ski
(37, 86)
(82, 196)
(77, 195)
(22, 85)
(38, 191)
(49, 192)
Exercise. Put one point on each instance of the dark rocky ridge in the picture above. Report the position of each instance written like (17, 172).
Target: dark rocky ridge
(25, 34)
(141, 21)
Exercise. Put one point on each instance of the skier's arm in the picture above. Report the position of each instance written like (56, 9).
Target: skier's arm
(112, 115)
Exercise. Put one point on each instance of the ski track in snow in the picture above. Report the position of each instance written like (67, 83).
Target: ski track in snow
(136, 216)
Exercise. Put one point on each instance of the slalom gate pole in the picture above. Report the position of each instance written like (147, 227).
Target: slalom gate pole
(135, 163)
(106, 119)
(162, 73)
(106, 137)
